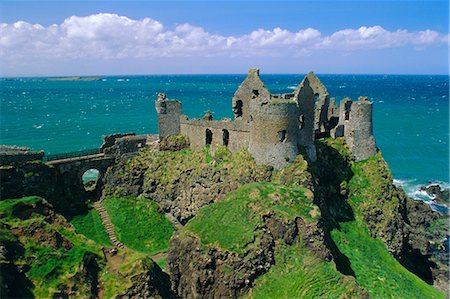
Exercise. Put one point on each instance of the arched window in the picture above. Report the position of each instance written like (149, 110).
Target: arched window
(208, 136)
(282, 136)
(225, 137)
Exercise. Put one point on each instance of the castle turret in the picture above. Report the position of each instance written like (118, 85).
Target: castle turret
(273, 134)
(306, 103)
(250, 89)
(169, 112)
(358, 131)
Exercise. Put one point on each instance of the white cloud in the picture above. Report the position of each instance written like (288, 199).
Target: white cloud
(111, 36)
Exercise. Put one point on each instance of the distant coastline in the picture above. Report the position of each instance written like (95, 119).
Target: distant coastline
(75, 79)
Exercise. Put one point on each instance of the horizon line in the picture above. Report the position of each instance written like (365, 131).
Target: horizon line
(218, 74)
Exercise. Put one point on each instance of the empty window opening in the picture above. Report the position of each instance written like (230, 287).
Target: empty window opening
(316, 96)
(208, 137)
(256, 92)
(238, 108)
(282, 136)
(225, 137)
(347, 115)
(302, 121)
(90, 178)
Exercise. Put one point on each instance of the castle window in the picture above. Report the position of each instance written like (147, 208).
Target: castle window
(208, 136)
(225, 137)
(282, 136)
(347, 115)
(316, 96)
(238, 109)
(302, 121)
(256, 92)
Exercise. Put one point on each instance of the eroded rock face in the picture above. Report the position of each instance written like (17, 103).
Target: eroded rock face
(185, 192)
(430, 236)
(151, 282)
(199, 271)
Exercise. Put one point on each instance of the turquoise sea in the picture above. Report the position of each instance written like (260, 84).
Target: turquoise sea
(411, 113)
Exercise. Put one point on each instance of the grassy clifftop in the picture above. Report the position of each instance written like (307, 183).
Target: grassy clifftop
(232, 223)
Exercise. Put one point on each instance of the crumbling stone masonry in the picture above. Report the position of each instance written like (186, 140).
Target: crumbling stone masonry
(275, 127)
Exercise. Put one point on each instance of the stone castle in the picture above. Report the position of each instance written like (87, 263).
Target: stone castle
(275, 128)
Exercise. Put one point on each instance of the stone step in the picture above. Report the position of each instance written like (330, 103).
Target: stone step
(107, 224)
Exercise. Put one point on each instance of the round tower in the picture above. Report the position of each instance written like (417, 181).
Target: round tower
(273, 133)
(358, 131)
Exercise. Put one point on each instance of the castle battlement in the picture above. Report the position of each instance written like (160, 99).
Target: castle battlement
(275, 127)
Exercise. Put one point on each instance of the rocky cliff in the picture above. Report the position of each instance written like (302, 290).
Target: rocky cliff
(332, 228)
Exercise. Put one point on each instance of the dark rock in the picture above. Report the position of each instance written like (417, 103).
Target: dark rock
(441, 196)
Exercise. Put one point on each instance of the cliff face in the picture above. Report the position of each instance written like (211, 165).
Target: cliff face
(182, 182)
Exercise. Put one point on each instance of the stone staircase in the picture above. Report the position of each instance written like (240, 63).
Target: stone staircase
(109, 227)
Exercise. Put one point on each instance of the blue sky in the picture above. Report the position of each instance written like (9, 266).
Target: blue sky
(151, 37)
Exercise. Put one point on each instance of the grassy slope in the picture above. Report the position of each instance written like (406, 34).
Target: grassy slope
(300, 274)
(376, 270)
(231, 223)
(50, 269)
(91, 226)
(139, 225)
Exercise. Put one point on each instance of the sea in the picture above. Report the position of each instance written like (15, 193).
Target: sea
(410, 113)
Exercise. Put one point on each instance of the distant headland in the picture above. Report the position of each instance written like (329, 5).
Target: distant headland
(74, 79)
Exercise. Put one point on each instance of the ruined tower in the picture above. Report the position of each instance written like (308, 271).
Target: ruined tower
(251, 88)
(358, 131)
(169, 112)
(274, 131)
(306, 104)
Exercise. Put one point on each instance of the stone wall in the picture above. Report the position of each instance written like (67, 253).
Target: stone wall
(15, 155)
(196, 131)
(306, 104)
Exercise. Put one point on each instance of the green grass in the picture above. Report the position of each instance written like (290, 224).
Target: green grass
(9, 205)
(116, 281)
(139, 225)
(231, 223)
(298, 273)
(50, 269)
(91, 226)
(162, 263)
(376, 270)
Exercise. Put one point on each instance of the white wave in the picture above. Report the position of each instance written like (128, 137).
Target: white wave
(38, 126)
(120, 80)
(292, 87)
(412, 188)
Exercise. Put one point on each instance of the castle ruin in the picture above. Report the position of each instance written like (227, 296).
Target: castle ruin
(275, 128)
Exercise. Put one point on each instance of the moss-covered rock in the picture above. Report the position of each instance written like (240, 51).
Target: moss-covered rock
(183, 181)
(229, 244)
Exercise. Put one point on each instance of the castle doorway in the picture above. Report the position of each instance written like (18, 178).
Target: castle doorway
(208, 136)
(225, 137)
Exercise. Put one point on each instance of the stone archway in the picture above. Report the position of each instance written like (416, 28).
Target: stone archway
(90, 178)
